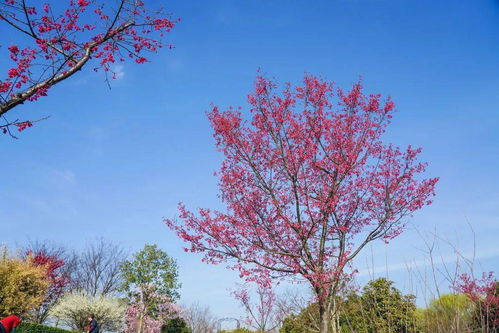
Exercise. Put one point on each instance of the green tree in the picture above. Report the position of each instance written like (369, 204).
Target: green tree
(176, 325)
(381, 308)
(150, 279)
(306, 321)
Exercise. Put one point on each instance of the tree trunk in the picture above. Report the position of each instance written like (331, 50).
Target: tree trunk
(334, 316)
(141, 322)
(323, 317)
(329, 321)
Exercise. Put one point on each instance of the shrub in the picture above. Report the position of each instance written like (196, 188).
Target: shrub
(176, 325)
(381, 308)
(37, 328)
(306, 321)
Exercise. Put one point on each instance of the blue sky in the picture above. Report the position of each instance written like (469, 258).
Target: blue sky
(112, 163)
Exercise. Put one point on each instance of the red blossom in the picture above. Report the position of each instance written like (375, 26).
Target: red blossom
(57, 279)
(23, 125)
(14, 49)
(83, 3)
(13, 72)
(4, 86)
(484, 292)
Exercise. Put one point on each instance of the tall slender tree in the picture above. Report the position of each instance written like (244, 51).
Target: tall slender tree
(151, 282)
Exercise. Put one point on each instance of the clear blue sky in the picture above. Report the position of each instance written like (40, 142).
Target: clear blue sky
(112, 163)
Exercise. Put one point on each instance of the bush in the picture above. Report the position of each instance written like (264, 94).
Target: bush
(381, 308)
(176, 325)
(304, 322)
(37, 328)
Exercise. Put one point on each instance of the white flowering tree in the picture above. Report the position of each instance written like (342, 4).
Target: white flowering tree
(74, 309)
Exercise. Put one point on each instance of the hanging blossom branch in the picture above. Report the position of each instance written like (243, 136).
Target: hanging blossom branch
(5, 128)
(61, 42)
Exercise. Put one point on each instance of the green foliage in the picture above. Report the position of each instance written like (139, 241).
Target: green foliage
(150, 280)
(37, 328)
(380, 309)
(151, 269)
(449, 313)
(304, 322)
(176, 325)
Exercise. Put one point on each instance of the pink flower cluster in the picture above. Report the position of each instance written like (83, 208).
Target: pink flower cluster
(163, 310)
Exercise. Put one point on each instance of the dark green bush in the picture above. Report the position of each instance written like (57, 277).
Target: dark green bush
(176, 325)
(37, 328)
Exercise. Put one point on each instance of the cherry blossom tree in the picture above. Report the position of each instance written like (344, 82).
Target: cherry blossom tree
(307, 184)
(57, 40)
